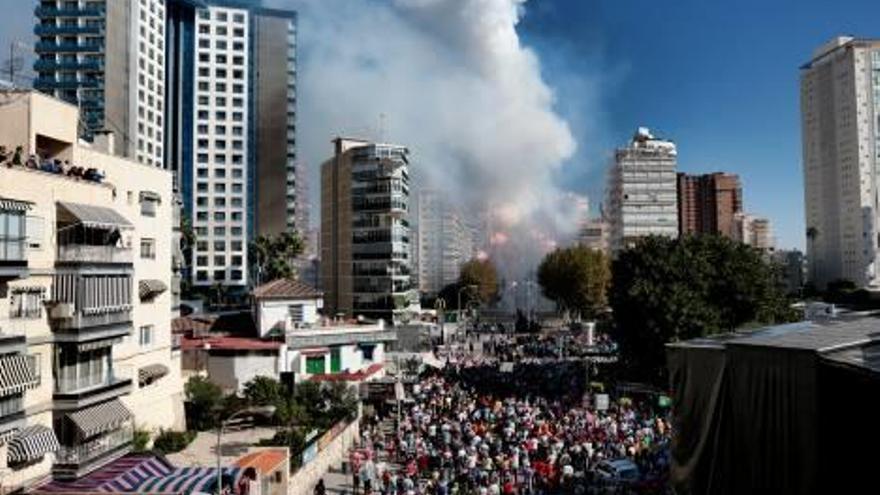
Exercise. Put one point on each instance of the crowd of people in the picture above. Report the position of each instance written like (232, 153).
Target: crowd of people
(475, 428)
(56, 166)
(561, 346)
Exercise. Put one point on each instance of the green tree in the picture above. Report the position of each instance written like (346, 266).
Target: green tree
(263, 391)
(666, 290)
(204, 400)
(273, 256)
(482, 274)
(576, 279)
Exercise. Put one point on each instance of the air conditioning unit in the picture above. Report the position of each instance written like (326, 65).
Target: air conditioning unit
(61, 311)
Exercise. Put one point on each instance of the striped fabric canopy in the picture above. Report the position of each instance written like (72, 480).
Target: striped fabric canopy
(118, 476)
(32, 443)
(99, 418)
(16, 374)
(7, 435)
(7, 204)
(188, 480)
(151, 372)
(91, 216)
(150, 288)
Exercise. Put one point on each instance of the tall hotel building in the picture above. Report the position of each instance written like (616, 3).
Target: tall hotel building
(231, 128)
(840, 123)
(444, 242)
(365, 232)
(108, 58)
(641, 195)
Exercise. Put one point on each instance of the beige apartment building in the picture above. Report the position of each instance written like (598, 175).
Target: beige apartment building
(86, 354)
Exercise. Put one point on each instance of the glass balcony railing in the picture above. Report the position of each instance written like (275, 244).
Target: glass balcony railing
(51, 46)
(43, 12)
(45, 82)
(83, 253)
(53, 65)
(50, 30)
(93, 449)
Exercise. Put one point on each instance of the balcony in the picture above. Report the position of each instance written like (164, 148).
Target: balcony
(13, 260)
(53, 65)
(85, 253)
(43, 12)
(52, 47)
(75, 326)
(75, 461)
(76, 393)
(51, 30)
(50, 83)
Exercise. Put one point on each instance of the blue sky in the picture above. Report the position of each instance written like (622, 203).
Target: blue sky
(719, 78)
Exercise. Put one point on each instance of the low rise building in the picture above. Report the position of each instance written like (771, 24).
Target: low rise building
(354, 350)
(85, 266)
(285, 304)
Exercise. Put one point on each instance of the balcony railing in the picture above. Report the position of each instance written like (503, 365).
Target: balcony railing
(85, 452)
(50, 30)
(68, 12)
(51, 46)
(83, 253)
(48, 82)
(51, 65)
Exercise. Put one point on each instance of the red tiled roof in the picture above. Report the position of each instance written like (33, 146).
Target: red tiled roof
(229, 343)
(264, 461)
(286, 288)
(347, 376)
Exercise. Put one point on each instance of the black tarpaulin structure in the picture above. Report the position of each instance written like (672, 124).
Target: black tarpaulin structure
(788, 409)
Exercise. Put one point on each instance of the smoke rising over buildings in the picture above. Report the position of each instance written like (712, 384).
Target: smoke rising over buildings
(457, 86)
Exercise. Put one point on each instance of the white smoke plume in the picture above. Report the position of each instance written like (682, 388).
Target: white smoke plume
(456, 85)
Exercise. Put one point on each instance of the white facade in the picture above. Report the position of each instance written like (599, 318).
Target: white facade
(284, 314)
(338, 348)
(93, 304)
(840, 106)
(754, 231)
(642, 198)
(220, 146)
(148, 49)
(444, 242)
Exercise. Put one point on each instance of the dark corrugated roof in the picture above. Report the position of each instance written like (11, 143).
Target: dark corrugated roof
(286, 288)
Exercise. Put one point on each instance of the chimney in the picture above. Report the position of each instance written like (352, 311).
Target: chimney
(105, 141)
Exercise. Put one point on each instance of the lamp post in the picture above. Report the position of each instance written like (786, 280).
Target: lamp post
(262, 410)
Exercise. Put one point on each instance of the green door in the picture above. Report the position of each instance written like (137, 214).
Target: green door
(315, 365)
(335, 360)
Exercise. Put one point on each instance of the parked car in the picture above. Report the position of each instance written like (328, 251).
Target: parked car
(619, 470)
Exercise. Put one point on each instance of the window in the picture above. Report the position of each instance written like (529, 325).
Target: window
(145, 336)
(148, 248)
(26, 302)
(315, 365)
(219, 275)
(149, 203)
(295, 311)
(12, 235)
(367, 352)
(201, 276)
(219, 260)
(201, 261)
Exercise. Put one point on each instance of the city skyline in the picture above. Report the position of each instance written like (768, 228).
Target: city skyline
(721, 119)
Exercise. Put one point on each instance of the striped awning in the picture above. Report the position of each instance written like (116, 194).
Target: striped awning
(7, 435)
(7, 204)
(91, 216)
(150, 196)
(98, 344)
(151, 372)
(189, 480)
(32, 443)
(17, 374)
(150, 288)
(100, 418)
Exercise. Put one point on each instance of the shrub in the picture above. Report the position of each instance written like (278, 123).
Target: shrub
(169, 442)
(140, 440)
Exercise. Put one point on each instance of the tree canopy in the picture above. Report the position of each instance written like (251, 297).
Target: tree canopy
(576, 279)
(665, 290)
(273, 256)
(482, 274)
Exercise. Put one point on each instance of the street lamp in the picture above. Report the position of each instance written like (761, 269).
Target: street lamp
(258, 411)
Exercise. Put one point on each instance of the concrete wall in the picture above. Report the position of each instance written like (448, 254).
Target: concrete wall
(303, 481)
(233, 372)
(352, 359)
(273, 312)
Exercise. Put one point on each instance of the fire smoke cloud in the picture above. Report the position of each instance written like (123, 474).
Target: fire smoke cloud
(455, 85)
